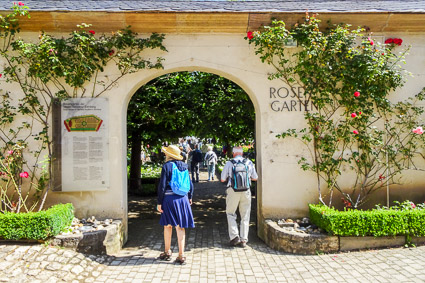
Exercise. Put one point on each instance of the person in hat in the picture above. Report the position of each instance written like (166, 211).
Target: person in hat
(174, 208)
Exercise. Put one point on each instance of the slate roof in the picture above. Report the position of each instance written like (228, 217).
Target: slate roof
(402, 6)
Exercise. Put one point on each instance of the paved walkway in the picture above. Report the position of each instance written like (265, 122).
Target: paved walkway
(210, 258)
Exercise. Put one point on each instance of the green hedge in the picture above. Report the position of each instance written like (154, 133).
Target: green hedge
(36, 225)
(377, 222)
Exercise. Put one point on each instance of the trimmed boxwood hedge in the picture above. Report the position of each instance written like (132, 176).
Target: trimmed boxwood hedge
(377, 222)
(36, 225)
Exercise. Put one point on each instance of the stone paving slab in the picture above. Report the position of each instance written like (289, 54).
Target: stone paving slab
(209, 257)
(256, 263)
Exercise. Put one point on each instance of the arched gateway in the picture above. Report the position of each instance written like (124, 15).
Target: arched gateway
(209, 36)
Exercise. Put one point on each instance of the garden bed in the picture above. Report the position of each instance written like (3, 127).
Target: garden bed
(295, 242)
(331, 230)
(106, 238)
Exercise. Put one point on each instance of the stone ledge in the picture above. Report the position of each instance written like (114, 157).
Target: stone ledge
(369, 242)
(298, 243)
(107, 240)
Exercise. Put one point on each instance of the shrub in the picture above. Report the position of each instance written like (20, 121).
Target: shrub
(36, 225)
(376, 222)
(151, 170)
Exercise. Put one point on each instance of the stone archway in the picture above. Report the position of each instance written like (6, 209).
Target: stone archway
(181, 69)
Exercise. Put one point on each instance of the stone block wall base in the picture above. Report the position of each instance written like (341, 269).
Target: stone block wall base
(368, 242)
(108, 240)
(297, 243)
(418, 241)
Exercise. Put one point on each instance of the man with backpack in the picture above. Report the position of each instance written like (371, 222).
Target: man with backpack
(238, 174)
(196, 155)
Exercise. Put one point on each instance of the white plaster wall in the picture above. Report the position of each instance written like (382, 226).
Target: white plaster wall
(283, 188)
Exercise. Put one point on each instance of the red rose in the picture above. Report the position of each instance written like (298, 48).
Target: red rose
(24, 175)
(250, 35)
(111, 52)
(360, 113)
(92, 31)
(389, 41)
(353, 115)
(356, 94)
(355, 132)
(20, 4)
(398, 41)
(1, 75)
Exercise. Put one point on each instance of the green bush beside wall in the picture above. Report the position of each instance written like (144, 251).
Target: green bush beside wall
(368, 223)
(36, 225)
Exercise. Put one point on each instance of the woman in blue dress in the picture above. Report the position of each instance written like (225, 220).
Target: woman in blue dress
(174, 208)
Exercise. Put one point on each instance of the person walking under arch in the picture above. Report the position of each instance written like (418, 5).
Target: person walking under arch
(210, 160)
(238, 174)
(196, 155)
(175, 191)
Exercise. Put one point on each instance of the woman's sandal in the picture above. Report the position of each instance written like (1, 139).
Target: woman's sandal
(165, 256)
(181, 260)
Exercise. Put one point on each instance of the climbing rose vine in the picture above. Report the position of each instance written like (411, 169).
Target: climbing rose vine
(355, 128)
(42, 74)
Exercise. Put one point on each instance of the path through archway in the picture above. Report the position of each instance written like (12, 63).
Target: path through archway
(209, 202)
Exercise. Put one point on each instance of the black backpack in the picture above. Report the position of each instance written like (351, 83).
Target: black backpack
(240, 176)
(197, 156)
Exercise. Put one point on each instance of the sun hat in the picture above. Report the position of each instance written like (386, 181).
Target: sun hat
(172, 151)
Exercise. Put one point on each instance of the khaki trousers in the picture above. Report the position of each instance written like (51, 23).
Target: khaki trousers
(235, 200)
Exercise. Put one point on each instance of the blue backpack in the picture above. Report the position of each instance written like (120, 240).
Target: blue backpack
(180, 181)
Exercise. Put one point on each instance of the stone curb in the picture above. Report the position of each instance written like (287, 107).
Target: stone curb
(297, 243)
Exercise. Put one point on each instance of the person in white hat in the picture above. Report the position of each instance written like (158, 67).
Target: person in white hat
(175, 208)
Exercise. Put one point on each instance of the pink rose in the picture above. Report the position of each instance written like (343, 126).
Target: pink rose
(418, 131)
(10, 152)
(371, 41)
(20, 4)
(250, 35)
(356, 94)
(355, 132)
(1, 75)
(24, 175)
(353, 115)
(92, 31)
(413, 205)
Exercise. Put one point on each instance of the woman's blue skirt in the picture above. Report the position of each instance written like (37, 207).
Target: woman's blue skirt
(177, 212)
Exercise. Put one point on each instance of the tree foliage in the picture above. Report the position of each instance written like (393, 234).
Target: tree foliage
(191, 104)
